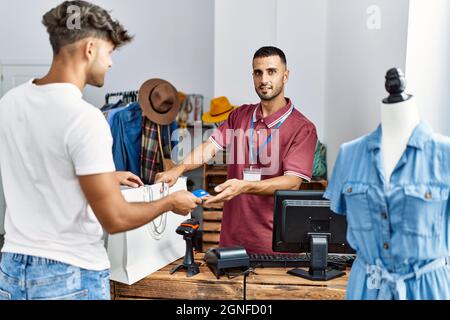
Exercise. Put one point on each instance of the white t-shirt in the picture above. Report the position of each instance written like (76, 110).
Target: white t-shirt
(48, 136)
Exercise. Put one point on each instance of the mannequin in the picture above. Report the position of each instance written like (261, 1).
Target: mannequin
(399, 118)
(397, 226)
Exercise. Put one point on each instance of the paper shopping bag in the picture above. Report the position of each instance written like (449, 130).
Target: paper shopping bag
(136, 254)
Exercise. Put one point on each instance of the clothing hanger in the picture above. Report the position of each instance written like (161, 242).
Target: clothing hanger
(127, 96)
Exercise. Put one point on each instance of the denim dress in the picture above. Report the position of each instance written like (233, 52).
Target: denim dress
(399, 228)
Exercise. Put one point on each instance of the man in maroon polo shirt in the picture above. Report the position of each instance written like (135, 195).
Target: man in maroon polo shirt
(280, 156)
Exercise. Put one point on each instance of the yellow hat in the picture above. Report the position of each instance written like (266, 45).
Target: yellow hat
(219, 111)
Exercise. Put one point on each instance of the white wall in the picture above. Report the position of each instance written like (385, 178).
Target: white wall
(301, 33)
(357, 61)
(428, 61)
(241, 27)
(22, 36)
(297, 27)
(174, 41)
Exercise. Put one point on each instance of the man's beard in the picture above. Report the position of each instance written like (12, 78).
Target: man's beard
(269, 97)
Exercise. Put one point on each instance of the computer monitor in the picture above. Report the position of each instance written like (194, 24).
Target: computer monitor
(303, 222)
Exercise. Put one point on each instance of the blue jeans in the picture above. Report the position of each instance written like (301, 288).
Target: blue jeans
(33, 278)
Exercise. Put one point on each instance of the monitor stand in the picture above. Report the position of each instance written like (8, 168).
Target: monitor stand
(318, 263)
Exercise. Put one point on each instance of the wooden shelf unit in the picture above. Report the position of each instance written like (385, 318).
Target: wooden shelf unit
(213, 175)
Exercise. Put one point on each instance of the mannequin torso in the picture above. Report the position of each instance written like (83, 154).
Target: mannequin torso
(398, 121)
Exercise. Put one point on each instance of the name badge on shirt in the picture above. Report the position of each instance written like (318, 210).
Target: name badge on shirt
(252, 174)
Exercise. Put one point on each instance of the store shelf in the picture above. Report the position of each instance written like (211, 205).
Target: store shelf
(214, 175)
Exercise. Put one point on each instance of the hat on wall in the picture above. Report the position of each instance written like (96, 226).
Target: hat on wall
(219, 111)
(159, 101)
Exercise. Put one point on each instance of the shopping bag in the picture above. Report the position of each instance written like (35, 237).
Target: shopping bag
(138, 253)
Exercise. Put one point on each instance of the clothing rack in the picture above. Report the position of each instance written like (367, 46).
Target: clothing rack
(127, 96)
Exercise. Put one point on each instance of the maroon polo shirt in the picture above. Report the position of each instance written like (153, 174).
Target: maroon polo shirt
(248, 219)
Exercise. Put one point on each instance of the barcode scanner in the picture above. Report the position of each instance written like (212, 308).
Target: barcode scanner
(188, 229)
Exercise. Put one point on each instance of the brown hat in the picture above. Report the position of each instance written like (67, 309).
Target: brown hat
(159, 101)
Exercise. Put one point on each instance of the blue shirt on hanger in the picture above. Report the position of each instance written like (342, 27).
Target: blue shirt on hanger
(399, 228)
(126, 130)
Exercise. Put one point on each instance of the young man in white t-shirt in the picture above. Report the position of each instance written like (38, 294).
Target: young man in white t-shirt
(56, 159)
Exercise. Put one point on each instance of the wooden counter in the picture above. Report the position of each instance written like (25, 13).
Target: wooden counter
(276, 284)
(266, 284)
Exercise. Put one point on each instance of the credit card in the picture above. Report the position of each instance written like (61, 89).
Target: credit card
(200, 193)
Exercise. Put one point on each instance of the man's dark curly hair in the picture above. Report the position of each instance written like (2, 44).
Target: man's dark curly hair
(93, 22)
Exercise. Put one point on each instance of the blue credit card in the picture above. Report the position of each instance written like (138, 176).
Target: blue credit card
(200, 193)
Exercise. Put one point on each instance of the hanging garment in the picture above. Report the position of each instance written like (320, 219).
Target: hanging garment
(399, 228)
(320, 162)
(136, 143)
(110, 106)
(126, 130)
(109, 115)
(153, 145)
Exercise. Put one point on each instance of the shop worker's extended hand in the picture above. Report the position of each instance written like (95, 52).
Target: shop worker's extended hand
(170, 176)
(228, 191)
(129, 179)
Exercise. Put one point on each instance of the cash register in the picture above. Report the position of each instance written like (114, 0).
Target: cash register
(223, 261)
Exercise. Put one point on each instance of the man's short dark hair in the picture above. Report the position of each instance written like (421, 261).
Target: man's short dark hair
(265, 52)
(94, 21)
